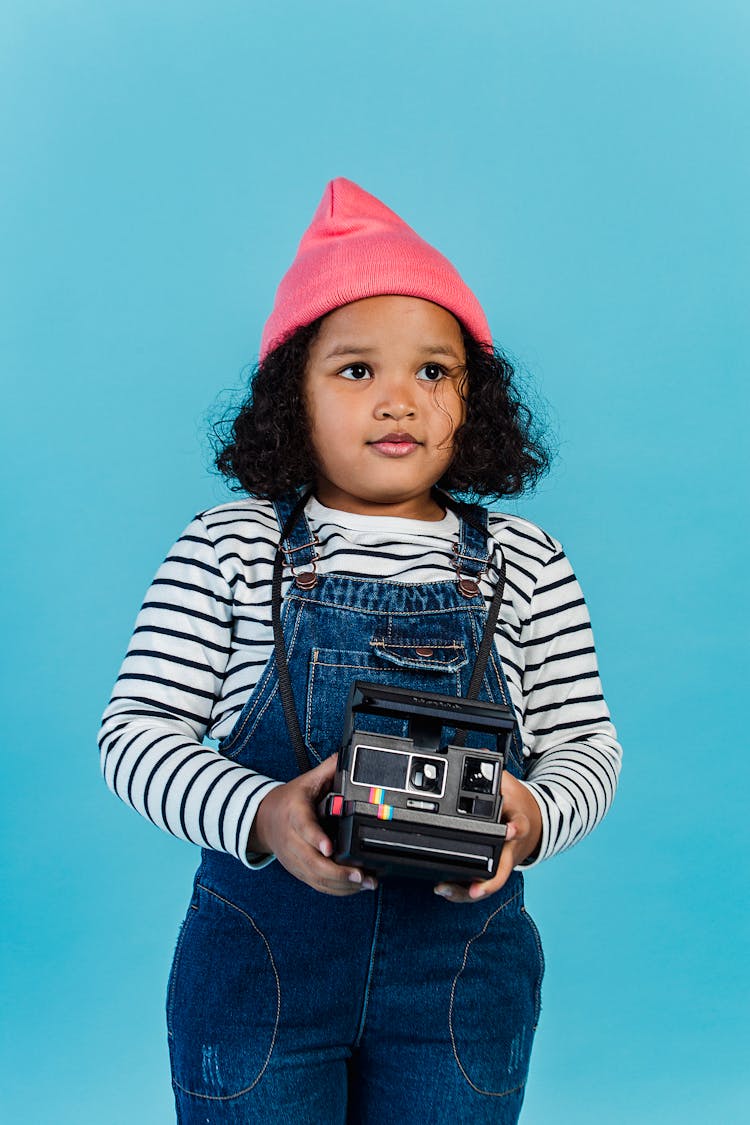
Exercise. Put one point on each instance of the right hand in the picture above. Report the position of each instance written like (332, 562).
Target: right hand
(287, 825)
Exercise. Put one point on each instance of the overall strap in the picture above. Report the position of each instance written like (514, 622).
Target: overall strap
(298, 542)
(288, 511)
(473, 552)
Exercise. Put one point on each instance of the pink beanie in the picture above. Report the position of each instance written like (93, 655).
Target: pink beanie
(357, 247)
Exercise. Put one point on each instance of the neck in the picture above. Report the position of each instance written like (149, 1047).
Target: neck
(424, 507)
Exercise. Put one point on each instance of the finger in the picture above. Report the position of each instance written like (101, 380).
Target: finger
(324, 773)
(324, 874)
(319, 873)
(303, 821)
(454, 892)
(508, 860)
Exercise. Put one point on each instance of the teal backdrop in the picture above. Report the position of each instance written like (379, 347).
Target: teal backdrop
(586, 166)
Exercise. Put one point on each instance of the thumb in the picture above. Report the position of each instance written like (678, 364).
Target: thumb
(319, 779)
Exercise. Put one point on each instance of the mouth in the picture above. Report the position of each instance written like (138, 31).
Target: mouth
(395, 445)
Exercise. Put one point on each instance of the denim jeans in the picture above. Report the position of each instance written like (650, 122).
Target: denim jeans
(290, 1006)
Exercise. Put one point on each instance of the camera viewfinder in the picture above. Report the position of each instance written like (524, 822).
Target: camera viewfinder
(479, 775)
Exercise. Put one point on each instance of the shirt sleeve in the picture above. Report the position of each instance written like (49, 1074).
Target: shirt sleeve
(151, 736)
(574, 756)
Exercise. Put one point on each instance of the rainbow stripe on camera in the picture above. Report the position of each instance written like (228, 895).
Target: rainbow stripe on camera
(385, 812)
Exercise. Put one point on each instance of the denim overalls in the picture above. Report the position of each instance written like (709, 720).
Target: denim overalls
(293, 1007)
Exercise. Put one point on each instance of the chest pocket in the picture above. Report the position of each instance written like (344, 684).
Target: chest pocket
(421, 665)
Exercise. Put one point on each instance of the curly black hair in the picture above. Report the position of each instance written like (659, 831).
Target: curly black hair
(265, 449)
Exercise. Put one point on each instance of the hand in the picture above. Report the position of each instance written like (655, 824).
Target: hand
(524, 830)
(287, 825)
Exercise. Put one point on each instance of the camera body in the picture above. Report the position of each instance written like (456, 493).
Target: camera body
(419, 806)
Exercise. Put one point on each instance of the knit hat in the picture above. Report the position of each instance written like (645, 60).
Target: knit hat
(357, 247)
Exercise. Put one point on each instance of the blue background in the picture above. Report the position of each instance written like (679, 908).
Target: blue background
(586, 168)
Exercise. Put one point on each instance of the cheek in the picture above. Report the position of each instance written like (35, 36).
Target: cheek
(329, 428)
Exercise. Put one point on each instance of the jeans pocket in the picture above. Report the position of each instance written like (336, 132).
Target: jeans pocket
(224, 1001)
(332, 672)
(493, 1005)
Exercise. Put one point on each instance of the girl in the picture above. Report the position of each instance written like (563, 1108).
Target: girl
(303, 990)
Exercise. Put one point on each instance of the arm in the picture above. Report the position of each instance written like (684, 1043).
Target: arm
(152, 754)
(152, 731)
(574, 760)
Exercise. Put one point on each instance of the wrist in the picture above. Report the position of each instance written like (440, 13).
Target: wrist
(537, 841)
(259, 841)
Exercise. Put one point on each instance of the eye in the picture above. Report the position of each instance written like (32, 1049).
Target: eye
(356, 372)
(432, 373)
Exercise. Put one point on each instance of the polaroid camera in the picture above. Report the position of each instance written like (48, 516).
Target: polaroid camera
(419, 806)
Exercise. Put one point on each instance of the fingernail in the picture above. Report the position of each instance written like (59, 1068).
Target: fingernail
(476, 892)
(444, 892)
(355, 877)
(368, 884)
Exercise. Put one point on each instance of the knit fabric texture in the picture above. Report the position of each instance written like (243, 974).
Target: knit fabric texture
(356, 247)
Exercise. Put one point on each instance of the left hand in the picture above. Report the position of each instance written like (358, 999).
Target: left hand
(524, 829)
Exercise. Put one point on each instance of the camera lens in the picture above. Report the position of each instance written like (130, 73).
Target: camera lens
(426, 775)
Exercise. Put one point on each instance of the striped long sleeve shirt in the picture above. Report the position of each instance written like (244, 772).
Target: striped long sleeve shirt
(203, 637)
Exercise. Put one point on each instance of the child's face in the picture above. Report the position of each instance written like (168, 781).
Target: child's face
(383, 387)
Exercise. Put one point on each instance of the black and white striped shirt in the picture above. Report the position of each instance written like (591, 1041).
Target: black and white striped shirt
(203, 637)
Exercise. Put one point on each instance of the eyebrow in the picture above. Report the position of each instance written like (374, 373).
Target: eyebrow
(426, 349)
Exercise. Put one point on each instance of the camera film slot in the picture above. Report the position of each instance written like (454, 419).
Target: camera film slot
(464, 854)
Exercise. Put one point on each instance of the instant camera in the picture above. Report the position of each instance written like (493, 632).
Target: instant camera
(422, 805)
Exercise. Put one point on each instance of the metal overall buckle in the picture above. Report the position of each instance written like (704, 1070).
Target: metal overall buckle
(467, 586)
(305, 579)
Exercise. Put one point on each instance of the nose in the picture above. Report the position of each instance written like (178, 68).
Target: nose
(396, 399)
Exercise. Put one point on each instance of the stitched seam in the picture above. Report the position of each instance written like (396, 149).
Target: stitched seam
(469, 943)
(257, 698)
(415, 666)
(268, 673)
(457, 645)
(261, 687)
(516, 741)
(538, 942)
(477, 643)
(481, 559)
(374, 580)
(308, 714)
(452, 646)
(370, 968)
(176, 961)
(379, 612)
(262, 936)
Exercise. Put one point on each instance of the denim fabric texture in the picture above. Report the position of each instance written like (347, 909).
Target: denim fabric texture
(290, 1006)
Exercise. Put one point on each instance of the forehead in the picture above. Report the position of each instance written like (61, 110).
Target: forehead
(390, 320)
